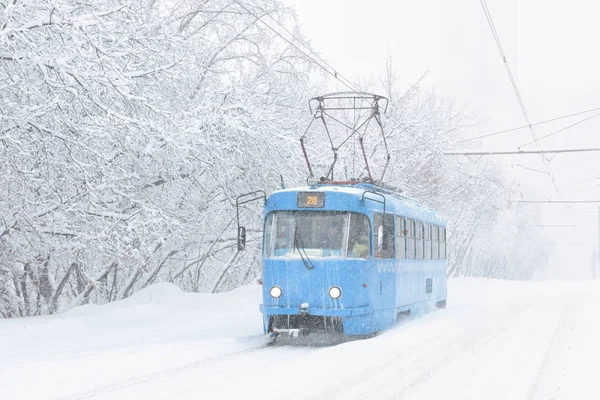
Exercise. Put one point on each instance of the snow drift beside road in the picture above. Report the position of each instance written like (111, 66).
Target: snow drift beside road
(496, 339)
(157, 328)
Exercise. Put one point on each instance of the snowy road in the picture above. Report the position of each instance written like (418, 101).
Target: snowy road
(496, 340)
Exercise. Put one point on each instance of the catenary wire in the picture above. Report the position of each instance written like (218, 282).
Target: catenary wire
(338, 75)
(527, 126)
(560, 130)
(334, 73)
(508, 70)
(519, 152)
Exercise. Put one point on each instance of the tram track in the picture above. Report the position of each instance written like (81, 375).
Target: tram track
(162, 374)
(547, 376)
(407, 375)
(490, 342)
(483, 356)
(542, 370)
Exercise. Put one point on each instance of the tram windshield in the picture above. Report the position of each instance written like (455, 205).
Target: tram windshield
(317, 234)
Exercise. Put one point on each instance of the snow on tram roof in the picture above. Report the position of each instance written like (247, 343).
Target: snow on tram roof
(401, 204)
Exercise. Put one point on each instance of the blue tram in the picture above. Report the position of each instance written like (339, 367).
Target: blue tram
(348, 259)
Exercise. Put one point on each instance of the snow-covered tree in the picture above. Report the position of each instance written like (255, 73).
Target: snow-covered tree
(126, 131)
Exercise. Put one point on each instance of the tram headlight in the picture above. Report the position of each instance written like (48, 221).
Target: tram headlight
(335, 292)
(276, 292)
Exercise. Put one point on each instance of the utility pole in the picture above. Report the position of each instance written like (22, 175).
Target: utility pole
(597, 270)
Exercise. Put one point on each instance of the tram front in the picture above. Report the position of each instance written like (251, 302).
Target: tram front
(315, 269)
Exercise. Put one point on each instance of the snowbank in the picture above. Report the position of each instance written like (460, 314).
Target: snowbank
(496, 340)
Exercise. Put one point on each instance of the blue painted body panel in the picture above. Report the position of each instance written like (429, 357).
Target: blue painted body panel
(373, 290)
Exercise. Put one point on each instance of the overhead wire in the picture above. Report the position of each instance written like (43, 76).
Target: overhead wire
(333, 72)
(557, 201)
(535, 140)
(560, 130)
(488, 16)
(527, 126)
(531, 169)
(519, 152)
(554, 162)
(338, 75)
(508, 70)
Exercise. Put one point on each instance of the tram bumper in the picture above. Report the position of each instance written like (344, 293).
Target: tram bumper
(314, 322)
(321, 312)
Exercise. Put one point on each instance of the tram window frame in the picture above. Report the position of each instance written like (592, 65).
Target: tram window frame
(443, 255)
(388, 243)
(435, 242)
(410, 240)
(401, 233)
(427, 241)
(419, 248)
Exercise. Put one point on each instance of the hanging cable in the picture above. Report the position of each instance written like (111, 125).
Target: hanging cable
(315, 54)
(577, 160)
(519, 152)
(557, 201)
(531, 169)
(488, 16)
(506, 65)
(560, 130)
(508, 70)
(335, 74)
(527, 126)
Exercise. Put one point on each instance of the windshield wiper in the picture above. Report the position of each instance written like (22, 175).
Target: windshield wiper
(299, 244)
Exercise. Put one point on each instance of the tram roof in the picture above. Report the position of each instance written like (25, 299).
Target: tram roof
(395, 202)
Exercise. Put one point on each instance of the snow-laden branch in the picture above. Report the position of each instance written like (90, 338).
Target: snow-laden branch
(52, 19)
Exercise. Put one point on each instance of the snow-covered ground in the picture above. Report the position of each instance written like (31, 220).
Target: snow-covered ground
(496, 340)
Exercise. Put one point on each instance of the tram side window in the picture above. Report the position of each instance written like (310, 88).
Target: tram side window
(358, 240)
(427, 238)
(401, 237)
(384, 246)
(410, 239)
(419, 239)
(435, 242)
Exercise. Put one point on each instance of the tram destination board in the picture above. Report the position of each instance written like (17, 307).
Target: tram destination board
(311, 200)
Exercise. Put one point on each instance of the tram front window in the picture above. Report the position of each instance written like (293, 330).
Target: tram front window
(317, 234)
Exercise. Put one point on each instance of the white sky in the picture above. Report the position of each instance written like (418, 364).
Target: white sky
(552, 48)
